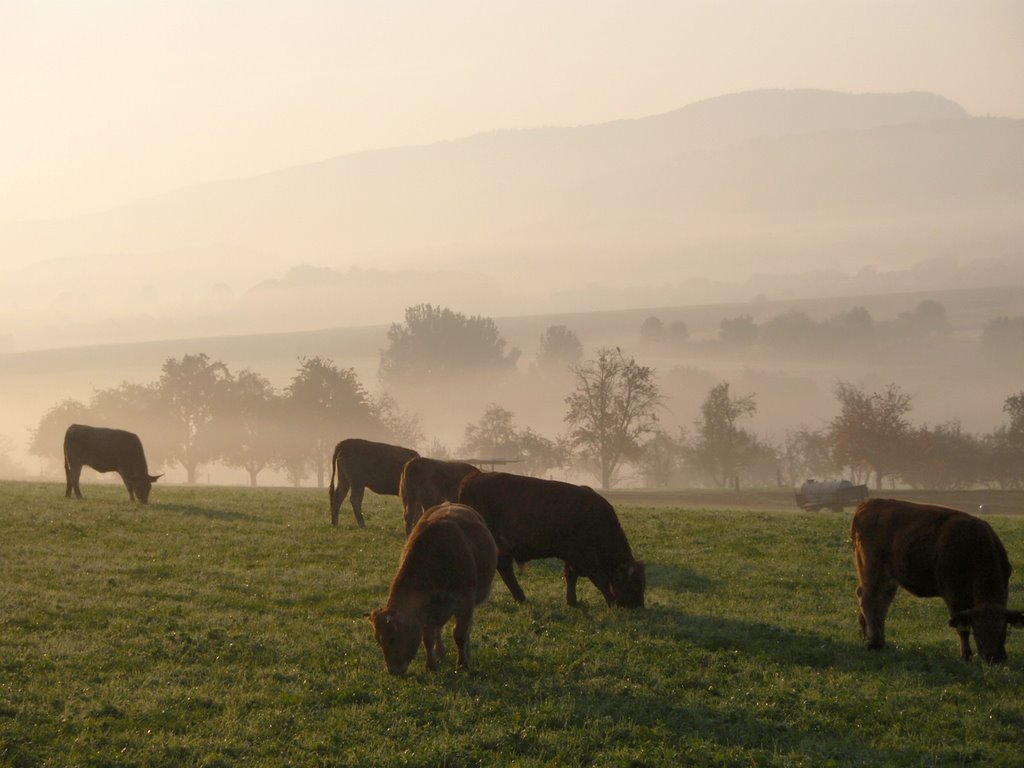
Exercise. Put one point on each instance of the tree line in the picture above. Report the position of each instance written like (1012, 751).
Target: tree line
(200, 412)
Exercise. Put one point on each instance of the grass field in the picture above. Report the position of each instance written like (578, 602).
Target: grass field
(225, 626)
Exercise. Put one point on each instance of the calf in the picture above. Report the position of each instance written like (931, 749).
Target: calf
(426, 482)
(532, 518)
(446, 569)
(360, 464)
(106, 450)
(933, 551)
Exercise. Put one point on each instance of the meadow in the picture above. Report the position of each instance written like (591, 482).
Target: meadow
(226, 626)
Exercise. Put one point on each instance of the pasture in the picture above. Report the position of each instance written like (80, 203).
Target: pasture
(226, 626)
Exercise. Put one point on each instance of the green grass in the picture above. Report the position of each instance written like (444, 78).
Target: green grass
(223, 627)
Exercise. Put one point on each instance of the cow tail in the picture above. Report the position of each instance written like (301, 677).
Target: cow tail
(334, 468)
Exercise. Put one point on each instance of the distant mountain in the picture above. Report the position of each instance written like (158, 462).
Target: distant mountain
(766, 181)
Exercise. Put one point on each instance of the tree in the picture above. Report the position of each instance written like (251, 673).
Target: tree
(399, 426)
(249, 435)
(193, 393)
(493, 436)
(869, 433)
(559, 349)
(1002, 341)
(944, 458)
(324, 404)
(611, 409)
(737, 331)
(137, 408)
(720, 446)
(926, 319)
(435, 343)
(652, 330)
(806, 456)
(47, 439)
(538, 455)
(660, 459)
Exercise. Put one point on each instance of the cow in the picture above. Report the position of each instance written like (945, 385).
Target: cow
(360, 464)
(532, 518)
(106, 450)
(446, 569)
(933, 551)
(427, 482)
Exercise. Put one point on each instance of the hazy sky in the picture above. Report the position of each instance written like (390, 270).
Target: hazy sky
(104, 101)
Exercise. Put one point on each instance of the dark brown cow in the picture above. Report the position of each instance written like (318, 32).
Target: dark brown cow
(446, 569)
(360, 464)
(933, 551)
(532, 518)
(106, 450)
(426, 482)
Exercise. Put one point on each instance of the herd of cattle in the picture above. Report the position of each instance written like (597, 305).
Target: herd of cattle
(463, 526)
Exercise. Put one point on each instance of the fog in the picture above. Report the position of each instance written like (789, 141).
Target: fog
(291, 187)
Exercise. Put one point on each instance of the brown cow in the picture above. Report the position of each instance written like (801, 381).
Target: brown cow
(361, 464)
(426, 482)
(933, 551)
(106, 450)
(533, 518)
(446, 569)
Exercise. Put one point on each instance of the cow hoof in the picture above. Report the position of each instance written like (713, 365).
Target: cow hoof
(875, 646)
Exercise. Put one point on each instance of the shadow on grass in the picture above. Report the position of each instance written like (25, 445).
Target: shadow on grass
(678, 578)
(210, 514)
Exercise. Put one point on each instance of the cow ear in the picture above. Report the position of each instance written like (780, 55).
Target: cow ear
(1015, 618)
(154, 478)
(961, 622)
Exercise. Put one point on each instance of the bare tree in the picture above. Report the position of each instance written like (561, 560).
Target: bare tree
(611, 409)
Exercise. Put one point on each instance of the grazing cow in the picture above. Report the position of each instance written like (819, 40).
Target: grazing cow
(532, 518)
(446, 569)
(360, 464)
(933, 551)
(426, 482)
(106, 450)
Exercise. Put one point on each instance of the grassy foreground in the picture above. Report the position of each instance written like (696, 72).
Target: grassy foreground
(223, 627)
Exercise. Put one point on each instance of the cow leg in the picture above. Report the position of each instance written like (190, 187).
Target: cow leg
(571, 578)
(463, 626)
(357, 504)
(74, 474)
(508, 575)
(128, 485)
(337, 497)
(433, 646)
(874, 607)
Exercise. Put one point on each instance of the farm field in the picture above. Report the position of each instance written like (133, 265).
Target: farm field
(226, 626)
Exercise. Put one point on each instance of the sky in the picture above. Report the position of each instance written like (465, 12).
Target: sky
(108, 101)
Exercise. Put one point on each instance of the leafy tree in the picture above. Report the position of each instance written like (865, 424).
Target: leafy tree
(399, 426)
(720, 446)
(1004, 463)
(538, 455)
(611, 409)
(652, 330)
(869, 433)
(249, 435)
(324, 404)
(493, 436)
(806, 455)
(47, 439)
(793, 331)
(137, 408)
(944, 458)
(926, 319)
(660, 459)
(737, 331)
(9, 467)
(435, 343)
(678, 331)
(193, 393)
(559, 349)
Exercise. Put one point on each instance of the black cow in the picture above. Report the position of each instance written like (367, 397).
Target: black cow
(107, 450)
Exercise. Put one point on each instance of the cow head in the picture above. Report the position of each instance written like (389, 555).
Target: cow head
(989, 623)
(143, 486)
(628, 584)
(397, 639)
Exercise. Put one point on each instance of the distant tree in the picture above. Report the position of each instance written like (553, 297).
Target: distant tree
(869, 433)
(47, 439)
(193, 392)
(660, 459)
(793, 331)
(249, 435)
(137, 408)
(1002, 341)
(611, 409)
(678, 331)
(652, 330)
(493, 436)
(538, 455)
(323, 405)
(854, 326)
(942, 458)
(1005, 446)
(434, 343)
(720, 446)
(806, 455)
(559, 349)
(738, 331)
(926, 319)
(399, 426)
(9, 467)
